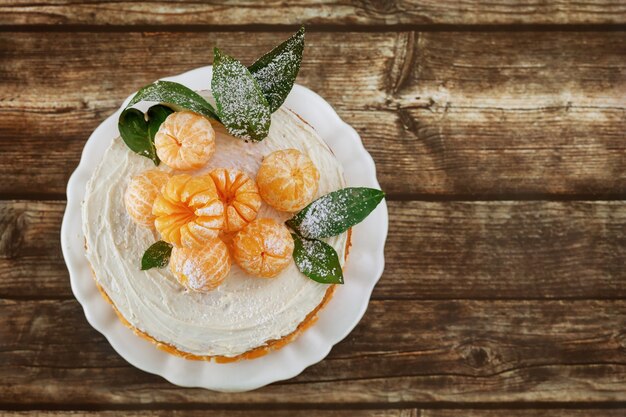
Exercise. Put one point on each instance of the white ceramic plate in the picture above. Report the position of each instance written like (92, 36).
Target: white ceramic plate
(363, 269)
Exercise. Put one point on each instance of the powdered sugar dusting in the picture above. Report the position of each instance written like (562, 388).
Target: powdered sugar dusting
(276, 71)
(242, 107)
(323, 211)
(193, 272)
(318, 260)
(336, 212)
(320, 211)
(284, 63)
(276, 241)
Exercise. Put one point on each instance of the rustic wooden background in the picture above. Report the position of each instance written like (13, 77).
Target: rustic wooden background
(499, 134)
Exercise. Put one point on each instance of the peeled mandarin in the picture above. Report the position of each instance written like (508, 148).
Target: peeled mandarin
(185, 141)
(240, 197)
(287, 180)
(140, 194)
(189, 212)
(263, 248)
(201, 269)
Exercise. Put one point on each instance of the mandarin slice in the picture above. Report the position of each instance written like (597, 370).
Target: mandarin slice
(189, 212)
(263, 248)
(185, 141)
(287, 180)
(140, 194)
(201, 269)
(240, 197)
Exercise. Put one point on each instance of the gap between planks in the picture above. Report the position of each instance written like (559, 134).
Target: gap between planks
(611, 27)
(437, 405)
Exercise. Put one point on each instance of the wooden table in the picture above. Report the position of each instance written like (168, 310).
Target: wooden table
(499, 134)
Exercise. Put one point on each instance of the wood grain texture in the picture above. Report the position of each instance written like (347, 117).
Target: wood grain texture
(317, 12)
(412, 351)
(219, 413)
(467, 115)
(435, 250)
(615, 412)
(223, 413)
(500, 307)
(400, 412)
(31, 261)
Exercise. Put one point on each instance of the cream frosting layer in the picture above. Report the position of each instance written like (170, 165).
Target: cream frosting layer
(244, 312)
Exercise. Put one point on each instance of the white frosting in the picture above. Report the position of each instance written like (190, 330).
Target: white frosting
(244, 312)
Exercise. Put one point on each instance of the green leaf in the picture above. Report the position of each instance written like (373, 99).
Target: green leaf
(138, 134)
(134, 131)
(176, 95)
(317, 260)
(335, 212)
(276, 71)
(157, 115)
(156, 256)
(240, 103)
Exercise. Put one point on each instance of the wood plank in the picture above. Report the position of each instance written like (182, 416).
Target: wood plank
(435, 250)
(401, 352)
(476, 115)
(31, 262)
(223, 413)
(274, 12)
(614, 412)
(524, 413)
(402, 412)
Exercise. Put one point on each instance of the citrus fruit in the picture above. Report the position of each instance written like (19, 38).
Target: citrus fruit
(201, 269)
(240, 197)
(287, 180)
(263, 248)
(140, 194)
(185, 141)
(188, 211)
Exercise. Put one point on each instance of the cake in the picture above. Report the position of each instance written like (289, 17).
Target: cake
(243, 317)
(218, 233)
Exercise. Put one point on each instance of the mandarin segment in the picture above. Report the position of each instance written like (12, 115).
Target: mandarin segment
(287, 180)
(240, 197)
(140, 194)
(263, 248)
(188, 212)
(201, 269)
(185, 141)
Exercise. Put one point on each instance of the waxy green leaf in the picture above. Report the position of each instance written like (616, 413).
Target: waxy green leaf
(335, 212)
(276, 71)
(156, 115)
(317, 260)
(134, 131)
(177, 96)
(138, 133)
(156, 256)
(240, 102)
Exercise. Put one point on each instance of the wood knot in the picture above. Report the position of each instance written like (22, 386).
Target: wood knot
(12, 223)
(621, 341)
(382, 6)
(478, 355)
